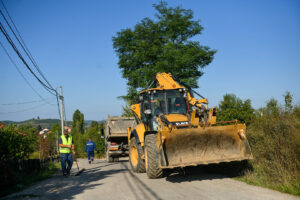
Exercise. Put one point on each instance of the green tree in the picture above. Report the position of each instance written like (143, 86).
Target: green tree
(127, 111)
(94, 124)
(54, 136)
(288, 99)
(17, 144)
(161, 45)
(232, 107)
(78, 123)
(93, 129)
(100, 143)
(39, 128)
(272, 108)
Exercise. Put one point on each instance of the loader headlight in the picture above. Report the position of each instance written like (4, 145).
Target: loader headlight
(242, 134)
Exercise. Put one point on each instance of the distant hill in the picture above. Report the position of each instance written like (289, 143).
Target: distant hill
(44, 123)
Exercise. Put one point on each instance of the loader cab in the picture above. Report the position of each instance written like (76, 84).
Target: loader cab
(161, 102)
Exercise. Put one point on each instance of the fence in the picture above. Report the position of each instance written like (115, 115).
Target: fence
(11, 168)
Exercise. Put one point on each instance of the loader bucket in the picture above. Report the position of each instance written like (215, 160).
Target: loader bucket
(204, 145)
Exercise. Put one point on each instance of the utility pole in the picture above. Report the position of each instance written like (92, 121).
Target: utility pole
(62, 110)
(57, 142)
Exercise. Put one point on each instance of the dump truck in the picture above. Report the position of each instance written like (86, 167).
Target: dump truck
(115, 133)
(174, 130)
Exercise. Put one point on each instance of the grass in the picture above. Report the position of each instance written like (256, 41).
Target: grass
(259, 180)
(23, 181)
(275, 143)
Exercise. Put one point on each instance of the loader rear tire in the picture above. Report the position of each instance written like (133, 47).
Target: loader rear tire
(135, 153)
(151, 157)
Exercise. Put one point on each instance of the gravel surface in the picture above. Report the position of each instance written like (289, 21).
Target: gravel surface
(103, 180)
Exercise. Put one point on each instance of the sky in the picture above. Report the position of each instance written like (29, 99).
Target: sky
(257, 43)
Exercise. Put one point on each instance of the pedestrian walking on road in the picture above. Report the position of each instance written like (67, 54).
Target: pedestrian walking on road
(66, 147)
(90, 147)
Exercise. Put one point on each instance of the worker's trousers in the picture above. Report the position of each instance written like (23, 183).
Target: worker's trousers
(66, 158)
(91, 155)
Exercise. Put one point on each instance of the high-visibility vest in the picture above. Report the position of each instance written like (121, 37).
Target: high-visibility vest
(65, 142)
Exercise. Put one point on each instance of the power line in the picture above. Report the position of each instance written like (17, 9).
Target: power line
(47, 86)
(23, 60)
(17, 68)
(23, 45)
(32, 108)
(22, 103)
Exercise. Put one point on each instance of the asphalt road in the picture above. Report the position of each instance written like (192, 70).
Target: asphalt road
(103, 180)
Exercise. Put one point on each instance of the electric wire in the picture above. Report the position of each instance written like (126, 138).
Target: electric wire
(19, 71)
(48, 87)
(24, 109)
(23, 45)
(22, 103)
(50, 90)
(22, 58)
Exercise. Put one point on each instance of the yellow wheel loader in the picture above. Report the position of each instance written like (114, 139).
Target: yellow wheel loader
(174, 129)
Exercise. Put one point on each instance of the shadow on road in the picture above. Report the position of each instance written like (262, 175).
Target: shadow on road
(60, 187)
(208, 172)
(190, 174)
(146, 191)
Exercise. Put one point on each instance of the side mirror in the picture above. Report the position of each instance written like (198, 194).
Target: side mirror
(147, 112)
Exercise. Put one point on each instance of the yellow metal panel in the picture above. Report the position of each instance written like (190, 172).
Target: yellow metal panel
(136, 108)
(140, 129)
(129, 129)
(176, 118)
(165, 82)
(205, 145)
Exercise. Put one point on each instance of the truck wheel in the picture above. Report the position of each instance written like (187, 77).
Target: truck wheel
(109, 159)
(135, 153)
(116, 159)
(151, 157)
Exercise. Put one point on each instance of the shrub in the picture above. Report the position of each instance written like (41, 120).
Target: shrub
(275, 140)
(17, 144)
(233, 108)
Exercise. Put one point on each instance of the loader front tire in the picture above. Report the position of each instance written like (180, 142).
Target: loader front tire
(151, 157)
(135, 154)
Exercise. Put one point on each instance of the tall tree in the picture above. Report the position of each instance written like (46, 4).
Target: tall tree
(288, 99)
(78, 122)
(161, 45)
